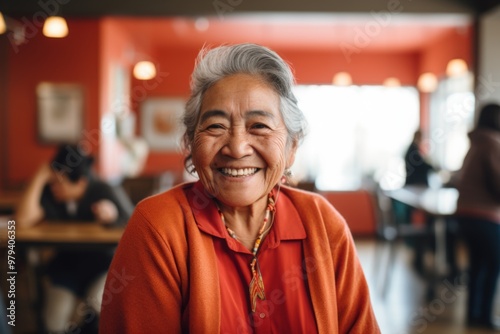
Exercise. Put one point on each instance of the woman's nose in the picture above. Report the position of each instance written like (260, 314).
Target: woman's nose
(238, 145)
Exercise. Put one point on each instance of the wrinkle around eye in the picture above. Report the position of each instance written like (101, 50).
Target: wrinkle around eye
(260, 126)
(214, 129)
(260, 131)
(215, 126)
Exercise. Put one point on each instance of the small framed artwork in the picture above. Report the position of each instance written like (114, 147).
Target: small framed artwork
(60, 112)
(161, 123)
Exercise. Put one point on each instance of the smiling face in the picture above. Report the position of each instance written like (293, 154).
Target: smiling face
(240, 147)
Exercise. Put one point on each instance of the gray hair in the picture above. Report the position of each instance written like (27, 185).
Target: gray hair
(218, 63)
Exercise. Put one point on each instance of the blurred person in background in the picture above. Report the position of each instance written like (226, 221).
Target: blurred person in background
(417, 174)
(416, 165)
(65, 189)
(478, 211)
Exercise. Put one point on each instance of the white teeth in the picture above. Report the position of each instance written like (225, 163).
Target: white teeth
(239, 172)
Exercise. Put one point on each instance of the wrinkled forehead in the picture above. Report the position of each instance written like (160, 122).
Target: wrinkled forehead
(243, 92)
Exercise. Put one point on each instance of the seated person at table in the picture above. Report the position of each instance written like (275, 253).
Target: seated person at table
(417, 173)
(417, 168)
(65, 189)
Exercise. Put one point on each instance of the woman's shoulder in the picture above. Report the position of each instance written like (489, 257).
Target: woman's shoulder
(161, 216)
(168, 206)
(485, 138)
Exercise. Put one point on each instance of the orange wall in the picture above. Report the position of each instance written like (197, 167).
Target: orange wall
(365, 68)
(454, 44)
(116, 60)
(69, 60)
(95, 48)
(3, 108)
(174, 67)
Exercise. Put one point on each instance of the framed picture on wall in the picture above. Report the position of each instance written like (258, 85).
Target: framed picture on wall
(60, 112)
(161, 124)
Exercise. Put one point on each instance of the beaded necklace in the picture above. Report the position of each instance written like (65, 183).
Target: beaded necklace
(256, 287)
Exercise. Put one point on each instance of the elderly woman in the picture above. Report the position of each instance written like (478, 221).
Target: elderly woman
(238, 252)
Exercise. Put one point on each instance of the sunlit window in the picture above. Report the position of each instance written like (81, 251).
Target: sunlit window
(355, 132)
(451, 118)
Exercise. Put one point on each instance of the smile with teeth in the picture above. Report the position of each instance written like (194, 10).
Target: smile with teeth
(238, 172)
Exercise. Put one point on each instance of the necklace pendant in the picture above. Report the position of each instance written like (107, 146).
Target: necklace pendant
(256, 289)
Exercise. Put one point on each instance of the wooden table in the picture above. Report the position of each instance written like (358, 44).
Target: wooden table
(67, 234)
(440, 202)
(57, 235)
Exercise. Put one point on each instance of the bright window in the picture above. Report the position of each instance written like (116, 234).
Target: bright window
(451, 118)
(354, 132)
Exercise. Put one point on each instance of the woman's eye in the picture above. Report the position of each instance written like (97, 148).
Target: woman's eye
(215, 126)
(260, 126)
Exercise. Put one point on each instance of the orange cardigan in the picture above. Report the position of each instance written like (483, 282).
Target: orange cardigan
(163, 273)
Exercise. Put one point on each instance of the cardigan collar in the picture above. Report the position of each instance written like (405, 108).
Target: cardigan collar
(287, 224)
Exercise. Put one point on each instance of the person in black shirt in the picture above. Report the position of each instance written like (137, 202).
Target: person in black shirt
(417, 172)
(65, 189)
(417, 168)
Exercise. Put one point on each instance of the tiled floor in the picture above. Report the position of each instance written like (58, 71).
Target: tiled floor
(404, 308)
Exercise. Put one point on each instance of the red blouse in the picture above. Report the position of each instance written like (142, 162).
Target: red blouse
(287, 307)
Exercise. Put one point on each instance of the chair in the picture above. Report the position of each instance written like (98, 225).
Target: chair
(394, 223)
(357, 208)
(140, 187)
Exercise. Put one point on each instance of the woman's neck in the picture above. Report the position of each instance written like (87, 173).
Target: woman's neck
(245, 222)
